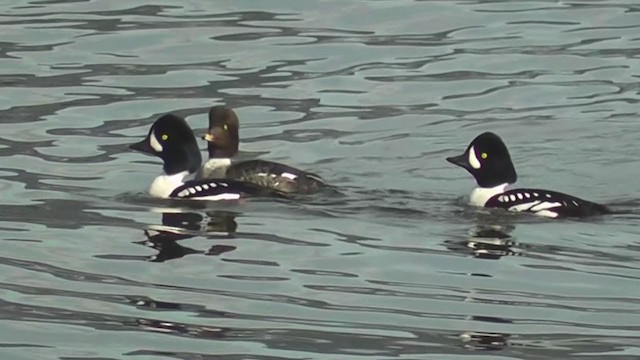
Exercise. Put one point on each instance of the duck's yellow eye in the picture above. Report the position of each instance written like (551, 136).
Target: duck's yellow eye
(484, 155)
(165, 137)
(226, 127)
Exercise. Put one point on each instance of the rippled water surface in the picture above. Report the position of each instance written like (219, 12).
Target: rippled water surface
(372, 95)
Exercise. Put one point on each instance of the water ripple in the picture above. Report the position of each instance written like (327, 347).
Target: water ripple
(371, 95)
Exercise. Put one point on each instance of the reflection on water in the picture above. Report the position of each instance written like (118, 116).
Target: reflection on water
(484, 341)
(488, 242)
(370, 95)
(179, 226)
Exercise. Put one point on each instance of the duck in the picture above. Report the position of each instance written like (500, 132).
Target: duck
(171, 139)
(488, 160)
(222, 145)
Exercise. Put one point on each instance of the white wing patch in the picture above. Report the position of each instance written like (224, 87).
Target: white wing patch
(473, 159)
(536, 205)
(524, 207)
(289, 175)
(198, 188)
(541, 203)
(545, 205)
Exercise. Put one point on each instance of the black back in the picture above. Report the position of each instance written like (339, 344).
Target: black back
(538, 200)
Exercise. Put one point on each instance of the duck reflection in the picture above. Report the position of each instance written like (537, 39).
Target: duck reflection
(203, 332)
(484, 340)
(181, 225)
(492, 242)
(480, 340)
(487, 242)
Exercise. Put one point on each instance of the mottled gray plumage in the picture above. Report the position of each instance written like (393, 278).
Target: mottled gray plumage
(223, 142)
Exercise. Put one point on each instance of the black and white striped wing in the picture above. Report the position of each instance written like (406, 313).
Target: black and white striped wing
(545, 203)
(219, 189)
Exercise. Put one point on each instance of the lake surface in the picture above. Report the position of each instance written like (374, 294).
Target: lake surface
(371, 95)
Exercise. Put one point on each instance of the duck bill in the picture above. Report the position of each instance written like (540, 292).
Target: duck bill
(460, 160)
(213, 134)
(142, 146)
(209, 137)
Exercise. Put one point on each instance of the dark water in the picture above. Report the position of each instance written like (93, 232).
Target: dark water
(372, 95)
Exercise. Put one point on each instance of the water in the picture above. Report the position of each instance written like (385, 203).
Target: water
(372, 95)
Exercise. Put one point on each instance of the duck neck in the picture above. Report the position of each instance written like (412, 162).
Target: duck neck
(227, 150)
(186, 159)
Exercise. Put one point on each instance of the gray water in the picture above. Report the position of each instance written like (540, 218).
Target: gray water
(372, 95)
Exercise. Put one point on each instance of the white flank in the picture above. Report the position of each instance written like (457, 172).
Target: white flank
(473, 159)
(547, 213)
(225, 196)
(161, 210)
(163, 185)
(480, 195)
(155, 144)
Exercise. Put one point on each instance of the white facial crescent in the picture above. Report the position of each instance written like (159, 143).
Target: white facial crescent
(155, 144)
(473, 160)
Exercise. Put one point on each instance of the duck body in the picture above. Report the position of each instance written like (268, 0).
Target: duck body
(171, 139)
(223, 143)
(489, 161)
(264, 173)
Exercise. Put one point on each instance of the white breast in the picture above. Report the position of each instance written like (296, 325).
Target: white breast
(214, 168)
(480, 195)
(163, 185)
